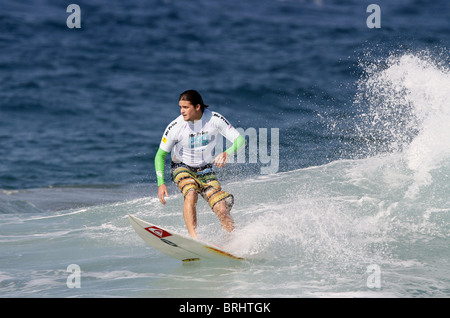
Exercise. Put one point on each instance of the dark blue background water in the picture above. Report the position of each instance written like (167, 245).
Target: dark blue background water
(88, 106)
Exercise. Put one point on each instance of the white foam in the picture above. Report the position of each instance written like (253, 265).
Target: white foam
(409, 106)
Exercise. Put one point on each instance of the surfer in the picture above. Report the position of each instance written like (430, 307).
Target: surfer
(192, 136)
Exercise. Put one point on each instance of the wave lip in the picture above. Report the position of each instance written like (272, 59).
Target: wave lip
(404, 105)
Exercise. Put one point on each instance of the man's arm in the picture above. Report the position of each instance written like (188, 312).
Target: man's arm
(159, 167)
(237, 144)
(221, 159)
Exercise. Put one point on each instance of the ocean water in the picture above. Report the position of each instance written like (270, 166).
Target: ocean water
(356, 203)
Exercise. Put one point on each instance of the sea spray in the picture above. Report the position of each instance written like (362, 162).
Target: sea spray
(404, 106)
(388, 206)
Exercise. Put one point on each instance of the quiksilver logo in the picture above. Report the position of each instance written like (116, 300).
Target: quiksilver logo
(157, 231)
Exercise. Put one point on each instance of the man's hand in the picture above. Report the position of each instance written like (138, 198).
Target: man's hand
(221, 160)
(162, 191)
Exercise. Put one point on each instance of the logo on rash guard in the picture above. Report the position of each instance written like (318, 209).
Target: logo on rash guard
(221, 117)
(199, 139)
(169, 128)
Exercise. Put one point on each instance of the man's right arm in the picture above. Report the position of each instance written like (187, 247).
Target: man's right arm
(168, 140)
(159, 165)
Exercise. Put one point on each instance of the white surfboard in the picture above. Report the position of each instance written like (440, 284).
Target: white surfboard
(176, 245)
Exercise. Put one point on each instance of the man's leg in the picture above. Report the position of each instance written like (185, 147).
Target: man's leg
(219, 200)
(190, 212)
(224, 215)
(184, 179)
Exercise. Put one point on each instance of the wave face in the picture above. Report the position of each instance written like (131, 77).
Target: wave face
(390, 208)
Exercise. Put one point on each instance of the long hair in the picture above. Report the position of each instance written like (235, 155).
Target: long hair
(194, 97)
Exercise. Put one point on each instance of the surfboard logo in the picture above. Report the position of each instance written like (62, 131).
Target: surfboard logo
(158, 232)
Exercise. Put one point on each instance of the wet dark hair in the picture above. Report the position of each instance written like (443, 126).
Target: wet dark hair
(194, 97)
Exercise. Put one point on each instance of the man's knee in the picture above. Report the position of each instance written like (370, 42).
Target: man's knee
(191, 196)
(220, 209)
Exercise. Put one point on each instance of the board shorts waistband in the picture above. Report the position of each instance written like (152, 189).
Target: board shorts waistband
(175, 165)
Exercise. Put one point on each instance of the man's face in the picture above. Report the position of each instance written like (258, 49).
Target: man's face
(189, 112)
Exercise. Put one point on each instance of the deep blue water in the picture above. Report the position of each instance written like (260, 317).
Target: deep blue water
(88, 106)
(362, 117)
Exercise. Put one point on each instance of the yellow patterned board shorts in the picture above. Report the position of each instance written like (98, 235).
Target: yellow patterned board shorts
(202, 180)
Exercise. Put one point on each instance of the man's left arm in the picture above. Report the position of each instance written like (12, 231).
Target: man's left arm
(238, 143)
(230, 133)
(222, 158)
